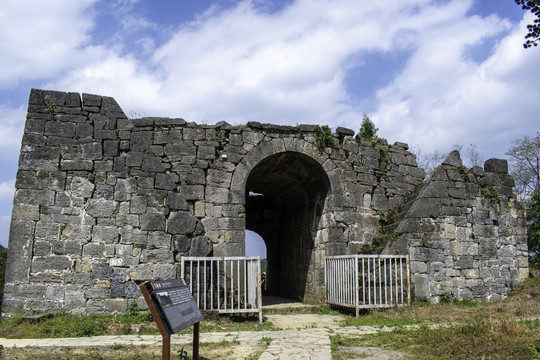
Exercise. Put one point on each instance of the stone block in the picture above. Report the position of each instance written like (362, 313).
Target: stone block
(424, 208)
(152, 222)
(379, 202)
(193, 192)
(131, 236)
(93, 250)
(418, 267)
(167, 181)
(74, 165)
(157, 256)
(421, 287)
(81, 187)
(152, 163)
(219, 178)
(74, 299)
(181, 223)
(25, 212)
(51, 263)
(101, 207)
(105, 234)
(158, 239)
(499, 166)
(33, 197)
(138, 204)
(206, 152)
(181, 243)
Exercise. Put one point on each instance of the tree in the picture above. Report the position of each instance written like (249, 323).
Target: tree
(534, 29)
(533, 227)
(525, 167)
(472, 156)
(429, 161)
(368, 131)
(525, 164)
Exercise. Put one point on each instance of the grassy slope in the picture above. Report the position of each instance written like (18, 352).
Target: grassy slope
(470, 330)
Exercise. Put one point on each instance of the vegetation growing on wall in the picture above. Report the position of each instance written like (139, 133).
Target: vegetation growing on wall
(368, 130)
(323, 136)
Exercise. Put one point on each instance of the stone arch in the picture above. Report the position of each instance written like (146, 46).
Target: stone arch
(288, 184)
(274, 146)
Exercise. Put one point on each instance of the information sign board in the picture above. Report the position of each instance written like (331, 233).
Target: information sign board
(174, 303)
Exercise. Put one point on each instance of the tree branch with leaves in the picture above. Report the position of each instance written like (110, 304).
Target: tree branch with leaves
(533, 37)
(525, 163)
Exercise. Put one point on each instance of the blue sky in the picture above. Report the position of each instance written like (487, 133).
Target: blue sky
(431, 73)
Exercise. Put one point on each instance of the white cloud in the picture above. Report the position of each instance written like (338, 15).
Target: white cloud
(39, 38)
(7, 190)
(4, 230)
(442, 97)
(243, 64)
(11, 130)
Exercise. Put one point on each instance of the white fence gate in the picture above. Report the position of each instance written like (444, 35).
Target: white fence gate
(367, 281)
(225, 284)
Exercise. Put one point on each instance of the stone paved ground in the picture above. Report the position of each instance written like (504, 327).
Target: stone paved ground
(307, 340)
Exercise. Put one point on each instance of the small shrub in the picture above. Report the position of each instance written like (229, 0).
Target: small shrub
(463, 172)
(368, 131)
(465, 303)
(134, 314)
(446, 297)
(383, 221)
(323, 136)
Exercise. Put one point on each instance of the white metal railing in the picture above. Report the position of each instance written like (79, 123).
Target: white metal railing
(367, 281)
(225, 284)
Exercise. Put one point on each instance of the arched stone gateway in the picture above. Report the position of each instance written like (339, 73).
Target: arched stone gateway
(285, 195)
(104, 202)
(285, 192)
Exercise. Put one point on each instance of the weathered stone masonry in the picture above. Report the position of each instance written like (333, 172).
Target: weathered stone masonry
(104, 203)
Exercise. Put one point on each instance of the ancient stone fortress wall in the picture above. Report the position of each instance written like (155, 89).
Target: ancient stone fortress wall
(104, 202)
(465, 233)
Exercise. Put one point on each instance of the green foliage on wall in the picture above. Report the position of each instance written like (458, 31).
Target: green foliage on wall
(368, 130)
(323, 136)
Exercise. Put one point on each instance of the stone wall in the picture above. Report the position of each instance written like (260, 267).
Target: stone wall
(104, 202)
(465, 233)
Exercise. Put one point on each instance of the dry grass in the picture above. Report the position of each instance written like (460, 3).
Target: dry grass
(524, 303)
(474, 331)
(492, 338)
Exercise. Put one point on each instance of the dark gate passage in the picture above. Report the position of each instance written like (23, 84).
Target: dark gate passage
(285, 195)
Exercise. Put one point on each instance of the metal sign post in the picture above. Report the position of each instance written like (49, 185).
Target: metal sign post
(173, 309)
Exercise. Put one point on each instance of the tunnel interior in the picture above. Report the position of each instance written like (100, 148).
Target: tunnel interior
(285, 196)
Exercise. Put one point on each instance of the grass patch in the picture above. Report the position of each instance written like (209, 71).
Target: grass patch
(66, 325)
(57, 326)
(379, 318)
(327, 310)
(484, 338)
(523, 303)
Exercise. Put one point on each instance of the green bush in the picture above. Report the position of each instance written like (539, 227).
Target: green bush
(368, 131)
(323, 136)
(446, 297)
